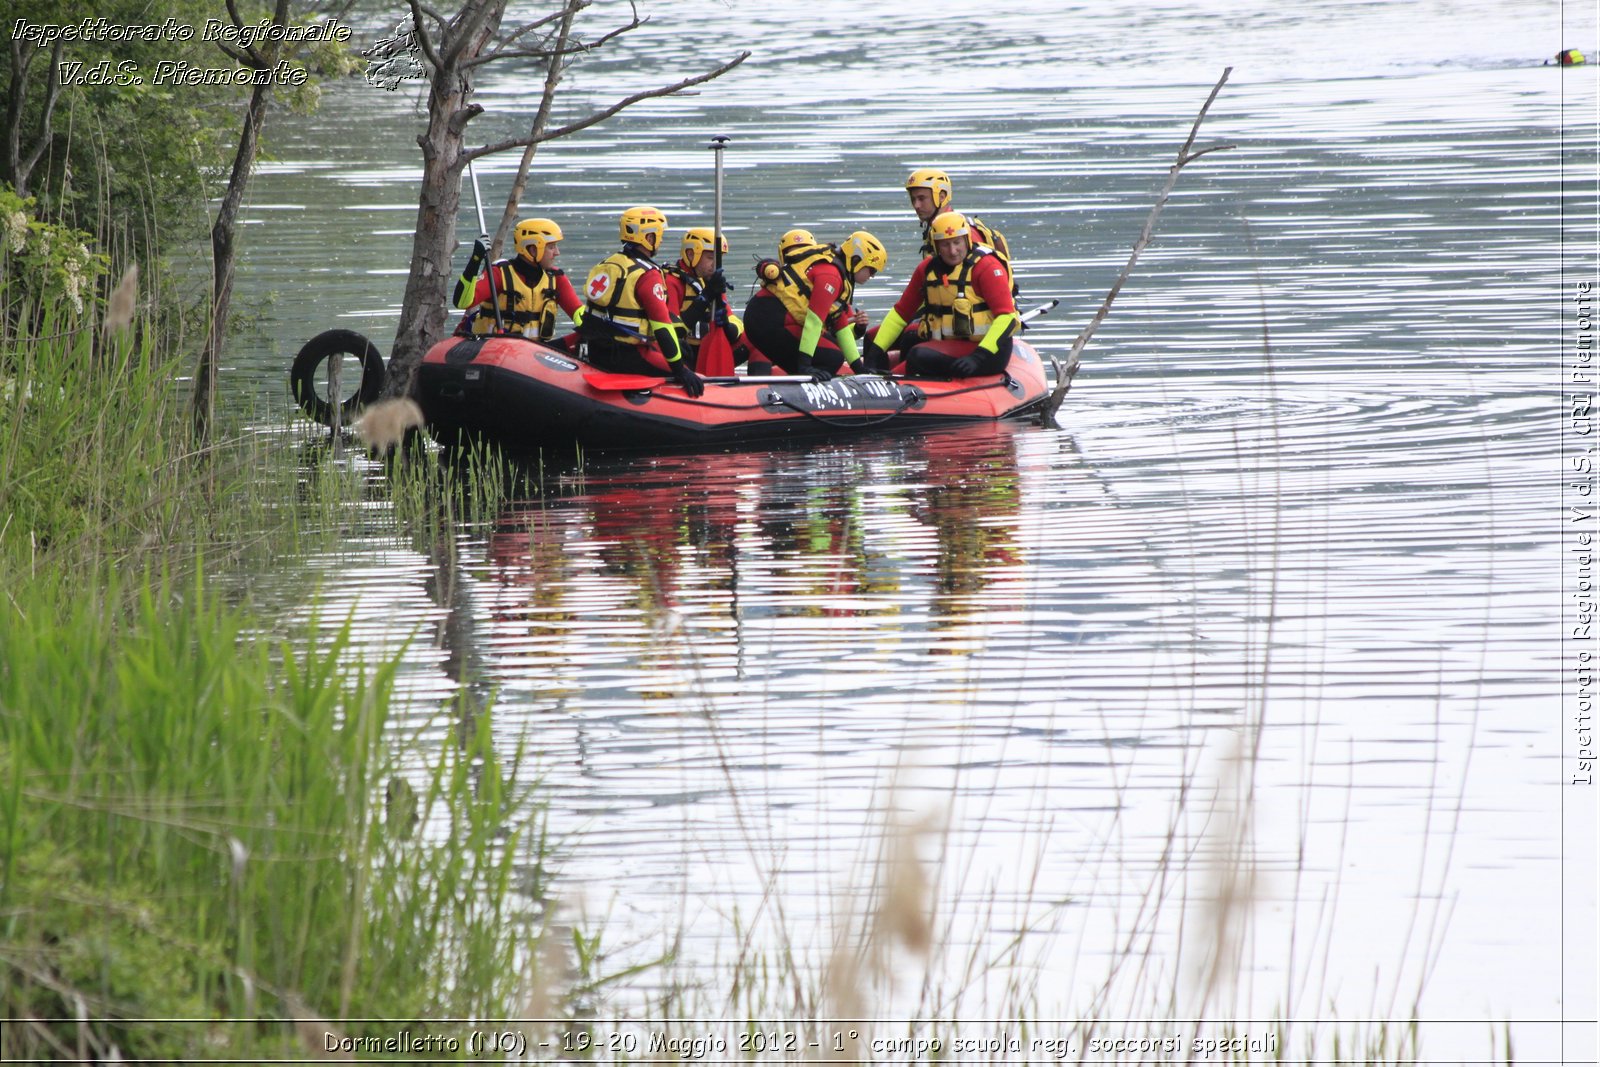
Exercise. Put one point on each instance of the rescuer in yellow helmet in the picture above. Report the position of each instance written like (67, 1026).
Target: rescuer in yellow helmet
(931, 196)
(697, 290)
(963, 294)
(628, 326)
(527, 288)
(807, 291)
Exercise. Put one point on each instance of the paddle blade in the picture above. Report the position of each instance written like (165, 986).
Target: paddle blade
(716, 355)
(608, 382)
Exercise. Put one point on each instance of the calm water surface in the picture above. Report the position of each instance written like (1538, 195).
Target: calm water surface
(1301, 506)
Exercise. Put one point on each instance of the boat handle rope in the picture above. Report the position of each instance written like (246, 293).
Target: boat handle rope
(693, 402)
(777, 399)
(839, 420)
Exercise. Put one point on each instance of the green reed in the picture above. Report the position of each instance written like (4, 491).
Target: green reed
(199, 819)
(195, 822)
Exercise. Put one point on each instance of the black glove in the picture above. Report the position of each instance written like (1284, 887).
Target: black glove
(715, 285)
(687, 378)
(807, 368)
(480, 252)
(875, 359)
(966, 367)
(731, 332)
(469, 273)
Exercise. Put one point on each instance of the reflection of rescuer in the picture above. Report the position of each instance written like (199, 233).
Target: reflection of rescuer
(807, 290)
(627, 326)
(964, 294)
(697, 292)
(527, 288)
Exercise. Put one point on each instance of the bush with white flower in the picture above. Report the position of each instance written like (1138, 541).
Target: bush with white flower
(45, 264)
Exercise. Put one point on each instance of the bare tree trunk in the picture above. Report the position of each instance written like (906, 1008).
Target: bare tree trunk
(19, 162)
(222, 251)
(424, 312)
(222, 260)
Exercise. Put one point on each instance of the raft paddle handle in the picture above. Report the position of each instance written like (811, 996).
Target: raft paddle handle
(627, 383)
(1042, 309)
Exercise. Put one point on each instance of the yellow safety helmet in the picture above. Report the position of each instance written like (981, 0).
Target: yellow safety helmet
(533, 236)
(643, 226)
(861, 249)
(948, 226)
(795, 239)
(699, 240)
(935, 181)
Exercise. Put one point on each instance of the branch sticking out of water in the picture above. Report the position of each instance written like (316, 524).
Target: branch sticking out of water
(1185, 156)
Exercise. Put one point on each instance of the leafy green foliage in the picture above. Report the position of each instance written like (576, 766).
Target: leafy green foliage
(46, 263)
(128, 157)
(195, 815)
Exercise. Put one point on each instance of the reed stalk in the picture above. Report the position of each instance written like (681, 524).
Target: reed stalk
(206, 815)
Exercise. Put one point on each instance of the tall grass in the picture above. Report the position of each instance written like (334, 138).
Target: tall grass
(200, 821)
(197, 824)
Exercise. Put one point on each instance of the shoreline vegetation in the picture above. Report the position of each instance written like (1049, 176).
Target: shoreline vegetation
(202, 816)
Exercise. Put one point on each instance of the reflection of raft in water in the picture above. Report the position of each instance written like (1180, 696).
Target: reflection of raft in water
(523, 394)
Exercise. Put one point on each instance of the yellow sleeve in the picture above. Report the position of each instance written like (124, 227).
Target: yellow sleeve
(890, 329)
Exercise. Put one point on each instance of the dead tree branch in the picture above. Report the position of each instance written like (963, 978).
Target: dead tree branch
(601, 116)
(503, 46)
(552, 78)
(570, 50)
(1185, 157)
(529, 27)
(420, 32)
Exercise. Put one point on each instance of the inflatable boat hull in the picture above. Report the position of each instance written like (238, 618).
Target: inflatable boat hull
(522, 395)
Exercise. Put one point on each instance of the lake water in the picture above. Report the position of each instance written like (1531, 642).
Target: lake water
(1298, 537)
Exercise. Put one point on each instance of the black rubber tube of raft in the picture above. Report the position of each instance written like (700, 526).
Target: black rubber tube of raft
(303, 375)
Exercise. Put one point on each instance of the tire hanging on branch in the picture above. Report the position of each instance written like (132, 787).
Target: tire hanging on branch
(303, 375)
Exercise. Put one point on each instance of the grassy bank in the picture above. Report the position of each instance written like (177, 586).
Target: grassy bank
(201, 817)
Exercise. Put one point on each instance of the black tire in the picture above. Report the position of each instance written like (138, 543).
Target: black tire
(303, 375)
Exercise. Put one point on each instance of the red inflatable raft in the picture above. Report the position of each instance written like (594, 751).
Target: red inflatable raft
(525, 395)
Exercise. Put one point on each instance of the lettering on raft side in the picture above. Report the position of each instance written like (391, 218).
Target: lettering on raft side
(850, 393)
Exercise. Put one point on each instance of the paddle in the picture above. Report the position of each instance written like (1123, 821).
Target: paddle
(1042, 309)
(716, 353)
(477, 202)
(718, 143)
(622, 383)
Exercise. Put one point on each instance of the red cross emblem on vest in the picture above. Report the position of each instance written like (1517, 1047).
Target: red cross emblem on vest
(598, 286)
